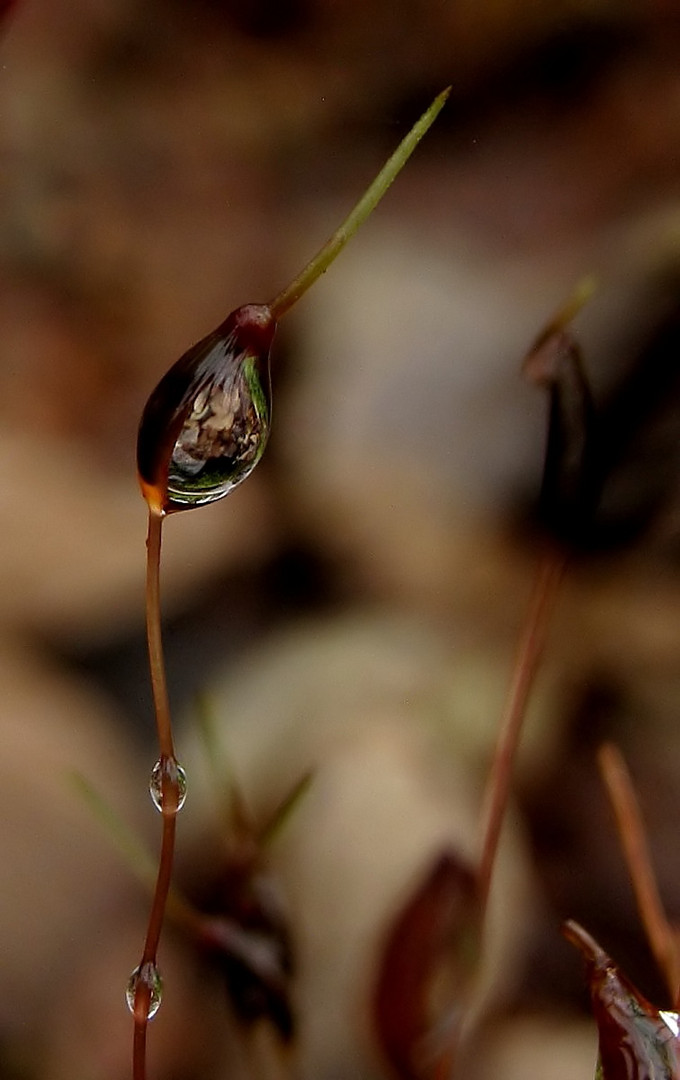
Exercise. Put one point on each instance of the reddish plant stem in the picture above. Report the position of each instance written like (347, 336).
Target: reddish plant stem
(139, 1038)
(530, 647)
(169, 788)
(529, 650)
(160, 897)
(633, 840)
(153, 632)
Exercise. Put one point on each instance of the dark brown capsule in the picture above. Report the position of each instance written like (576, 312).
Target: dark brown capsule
(571, 483)
(205, 426)
(636, 1040)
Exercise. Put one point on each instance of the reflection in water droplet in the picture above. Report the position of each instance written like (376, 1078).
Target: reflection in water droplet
(148, 975)
(224, 434)
(171, 769)
(206, 424)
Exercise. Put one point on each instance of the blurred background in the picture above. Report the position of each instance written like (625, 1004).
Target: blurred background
(352, 611)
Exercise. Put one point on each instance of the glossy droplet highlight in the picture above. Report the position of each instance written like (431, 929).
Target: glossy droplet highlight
(146, 974)
(671, 1020)
(167, 769)
(206, 424)
(223, 437)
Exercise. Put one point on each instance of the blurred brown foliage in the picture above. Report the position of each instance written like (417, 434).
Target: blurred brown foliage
(162, 162)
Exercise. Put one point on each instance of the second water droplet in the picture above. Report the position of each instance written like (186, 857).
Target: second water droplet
(167, 769)
(148, 975)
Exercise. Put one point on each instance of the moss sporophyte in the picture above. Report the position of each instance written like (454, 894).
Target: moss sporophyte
(202, 432)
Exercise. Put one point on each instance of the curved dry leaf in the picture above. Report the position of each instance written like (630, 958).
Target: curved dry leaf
(426, 968)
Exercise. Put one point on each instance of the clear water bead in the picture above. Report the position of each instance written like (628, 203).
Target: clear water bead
(170, 768)
(225, 431)
(205, 426)
(148, 974)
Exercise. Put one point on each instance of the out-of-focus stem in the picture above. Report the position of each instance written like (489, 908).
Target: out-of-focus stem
(531, 642)
(632, 837)
(579, 297)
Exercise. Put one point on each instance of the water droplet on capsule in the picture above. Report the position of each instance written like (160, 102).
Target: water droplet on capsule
(206, 424)
(147, 974)
(170, 768)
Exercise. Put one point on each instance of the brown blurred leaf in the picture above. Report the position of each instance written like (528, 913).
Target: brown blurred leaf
(426, 968)
(636, 1040)
(244, 925)
(5, 8)
(250, 945)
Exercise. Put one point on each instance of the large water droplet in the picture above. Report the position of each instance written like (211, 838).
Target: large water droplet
(170, 769)
(206, 425)
(224, 435)
(148, 975)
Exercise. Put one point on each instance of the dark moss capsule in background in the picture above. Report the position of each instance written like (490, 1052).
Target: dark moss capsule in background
(205, 426)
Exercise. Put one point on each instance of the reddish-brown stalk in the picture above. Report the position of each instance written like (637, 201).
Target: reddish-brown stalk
(554, 363)
(529, 650)
(633, 840)
(153, 630)
(170, 787)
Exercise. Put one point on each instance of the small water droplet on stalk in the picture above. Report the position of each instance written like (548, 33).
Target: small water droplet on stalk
(167, 769)
(147, 975)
